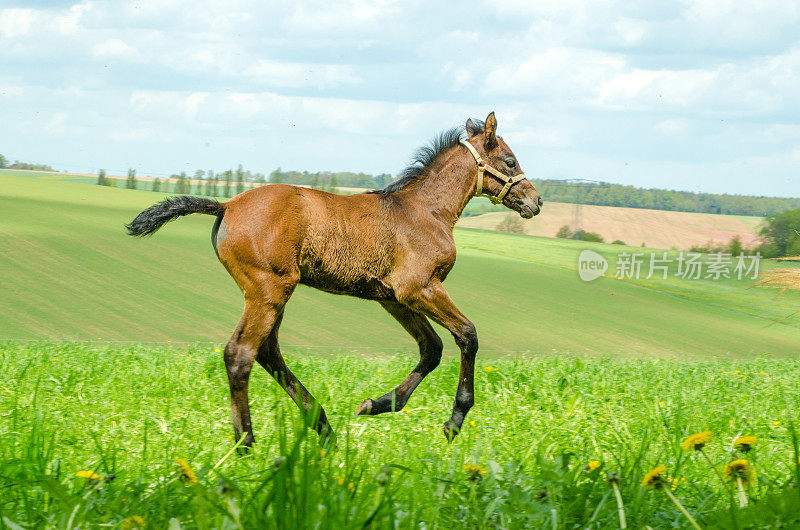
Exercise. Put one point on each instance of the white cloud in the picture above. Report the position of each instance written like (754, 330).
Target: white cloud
(672, 126)
(115, 49)
(57, 122)
(293, 75)
(16, 22)
(326, 18)
(139, 134)
(193, 102)
(69, 23)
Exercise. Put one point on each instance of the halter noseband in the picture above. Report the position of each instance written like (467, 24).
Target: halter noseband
(484, 167)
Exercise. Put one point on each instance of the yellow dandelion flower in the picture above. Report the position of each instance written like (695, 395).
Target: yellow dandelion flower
(339, 480)
(745, 443)
(474, 472)
(738, 469)
(134, 521)
(776, 422)
(592, 465)
(89, 474)
(654, 478)
(488, 369)
(217, 350)
(473, 423)
(676, 482)
(187, 475)
(696, 441)
(351, 486)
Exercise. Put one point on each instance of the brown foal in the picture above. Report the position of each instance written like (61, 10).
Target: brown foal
(394, 246)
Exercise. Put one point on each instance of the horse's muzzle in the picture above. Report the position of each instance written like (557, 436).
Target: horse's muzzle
(529, 208)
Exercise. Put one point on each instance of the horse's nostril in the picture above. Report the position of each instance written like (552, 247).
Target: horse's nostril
(540, 201)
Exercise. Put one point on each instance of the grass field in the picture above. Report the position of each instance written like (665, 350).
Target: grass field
(126, 413)
(70, 272)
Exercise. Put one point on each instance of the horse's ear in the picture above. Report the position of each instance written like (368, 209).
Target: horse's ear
(489, 131)
(472, 129)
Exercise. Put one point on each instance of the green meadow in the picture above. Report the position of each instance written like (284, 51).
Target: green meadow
(111, 370)
(70, 272)
(89, 437)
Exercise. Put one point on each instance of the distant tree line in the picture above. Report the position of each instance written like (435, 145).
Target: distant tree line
(5, 164)
(606, 194)
(231, 182)
(344, 179)
(234, 181)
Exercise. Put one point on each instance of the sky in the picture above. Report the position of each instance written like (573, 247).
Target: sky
(698, 95)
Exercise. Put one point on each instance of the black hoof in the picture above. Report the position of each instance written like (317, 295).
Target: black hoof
(365, 409)
(245, 447)
(450, 430)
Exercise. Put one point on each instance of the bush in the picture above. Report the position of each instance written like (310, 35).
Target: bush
(617, 242)
(583, 235)
(511, 223)
(709, 248)
(783, 232)
(564, 232)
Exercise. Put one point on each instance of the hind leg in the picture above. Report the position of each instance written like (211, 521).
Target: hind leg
(430, 353)
(269, 357)
(264, 301)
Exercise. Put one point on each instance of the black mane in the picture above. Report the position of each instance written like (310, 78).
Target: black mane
(425, 155)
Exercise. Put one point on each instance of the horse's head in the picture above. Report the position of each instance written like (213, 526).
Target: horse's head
(499, 175)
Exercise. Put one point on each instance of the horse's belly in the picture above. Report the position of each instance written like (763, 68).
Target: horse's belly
(348, 283)
(360, 278)
(367, 288)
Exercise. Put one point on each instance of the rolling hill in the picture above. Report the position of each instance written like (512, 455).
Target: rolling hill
(634, 226)
(68, 271)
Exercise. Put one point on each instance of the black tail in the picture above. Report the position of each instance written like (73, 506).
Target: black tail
(153, 218)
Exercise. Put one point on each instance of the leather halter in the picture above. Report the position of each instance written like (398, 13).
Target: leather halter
(484, 167)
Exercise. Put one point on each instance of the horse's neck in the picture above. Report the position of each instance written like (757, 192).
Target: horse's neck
(448, 187)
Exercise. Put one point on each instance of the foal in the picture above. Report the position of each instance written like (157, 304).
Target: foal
(394, 246)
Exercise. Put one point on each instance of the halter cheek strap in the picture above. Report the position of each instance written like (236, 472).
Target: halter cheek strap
(483, 167)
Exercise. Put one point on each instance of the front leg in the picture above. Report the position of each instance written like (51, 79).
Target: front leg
(434, 302)
(430, 353)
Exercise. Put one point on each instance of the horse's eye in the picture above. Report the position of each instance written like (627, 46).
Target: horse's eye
(511, 163)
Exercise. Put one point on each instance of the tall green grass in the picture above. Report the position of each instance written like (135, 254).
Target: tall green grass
(126, 413)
